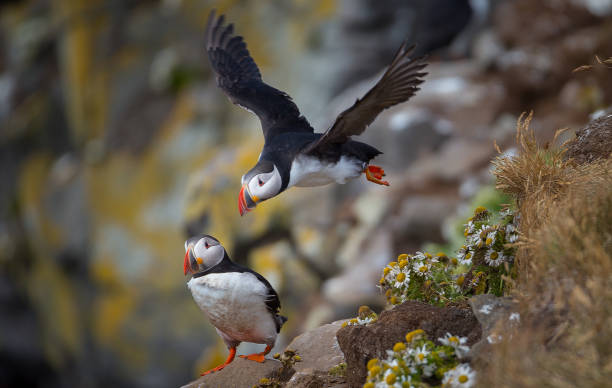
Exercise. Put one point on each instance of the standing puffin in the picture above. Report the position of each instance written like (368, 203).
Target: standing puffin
(293, 154)
(239, 302)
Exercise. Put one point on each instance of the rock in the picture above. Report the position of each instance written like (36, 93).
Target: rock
(357, 283)
(318, 348)
(456, 159)
(317, 380)
(592, 142)
(495, 315)
(240, 373)
(421, 216)
(362, 343)
(320, 352)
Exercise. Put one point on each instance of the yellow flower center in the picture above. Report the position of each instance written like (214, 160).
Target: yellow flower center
(386, 271)
(403, 256)
(368, 385)
(480, 209)
(421, 356)
(454, 260)
(398, 347)
(390, 378)
(460, 280)
(400, 277)
(372, 363)
(423, 268)
(468, 255)
(428, 255)
(453, 339)
(494, 255)
(353, 321)
(382, 280)
(375, 370)
(393, 300)
(412, 334)
(388, 293)
(489, 241)
(463, 379)
(393, 264)
(403, 263)
(465, 232)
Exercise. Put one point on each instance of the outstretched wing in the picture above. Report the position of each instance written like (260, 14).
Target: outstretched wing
(239, 78)
(398, 84)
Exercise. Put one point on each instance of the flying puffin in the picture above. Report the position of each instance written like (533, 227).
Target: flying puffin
(293, 154)
(239, 302)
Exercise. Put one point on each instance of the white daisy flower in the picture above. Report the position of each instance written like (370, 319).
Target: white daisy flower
(457, 343)
(421, 268)
(460, 376)
(470, 227)
(466, 257)
(511, 233)
(420, 355)
(491, 238)
(401, 279)
(494, 258)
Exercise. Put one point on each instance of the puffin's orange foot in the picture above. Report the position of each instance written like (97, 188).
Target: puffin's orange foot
(214, 370)
(259, 357)
(375, 174)
(230, 358)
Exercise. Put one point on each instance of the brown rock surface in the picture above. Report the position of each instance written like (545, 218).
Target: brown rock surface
(318, 348)
(240, 373)
(592, 142)
(362, 343)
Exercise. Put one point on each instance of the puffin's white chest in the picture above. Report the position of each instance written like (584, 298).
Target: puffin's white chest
(235, 304)
(307, 171)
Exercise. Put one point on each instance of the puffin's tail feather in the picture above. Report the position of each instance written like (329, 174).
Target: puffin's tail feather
(280, 321)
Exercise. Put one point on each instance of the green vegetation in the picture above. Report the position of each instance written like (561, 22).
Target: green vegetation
(482, 265)
(419, 361)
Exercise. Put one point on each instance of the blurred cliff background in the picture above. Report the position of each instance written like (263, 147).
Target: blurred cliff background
(116, 145)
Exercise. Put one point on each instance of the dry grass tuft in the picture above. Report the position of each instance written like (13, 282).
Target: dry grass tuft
(565, 270)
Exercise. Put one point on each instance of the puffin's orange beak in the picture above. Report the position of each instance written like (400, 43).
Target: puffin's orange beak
(245, 202)
(190, 264)
(186, 266)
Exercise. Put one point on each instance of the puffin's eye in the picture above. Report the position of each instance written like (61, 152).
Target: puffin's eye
(206, 245)
(261, 183)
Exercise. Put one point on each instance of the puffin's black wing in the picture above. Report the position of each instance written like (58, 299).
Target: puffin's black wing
(239, 78)
(398, 84)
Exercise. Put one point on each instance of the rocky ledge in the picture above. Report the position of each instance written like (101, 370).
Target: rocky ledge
(336, 356)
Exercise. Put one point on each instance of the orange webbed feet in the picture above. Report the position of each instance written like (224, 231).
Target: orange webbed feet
(258, 357)
(375, 174)
(230, 358)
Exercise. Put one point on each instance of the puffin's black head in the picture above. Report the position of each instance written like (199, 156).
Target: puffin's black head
(202, 252)
(262, 182)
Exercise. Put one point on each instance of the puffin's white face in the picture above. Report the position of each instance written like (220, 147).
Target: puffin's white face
(202, 253)
(258, 187)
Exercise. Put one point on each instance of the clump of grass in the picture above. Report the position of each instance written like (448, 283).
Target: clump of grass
(420, 362)
(564, 271)
(480, 266)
